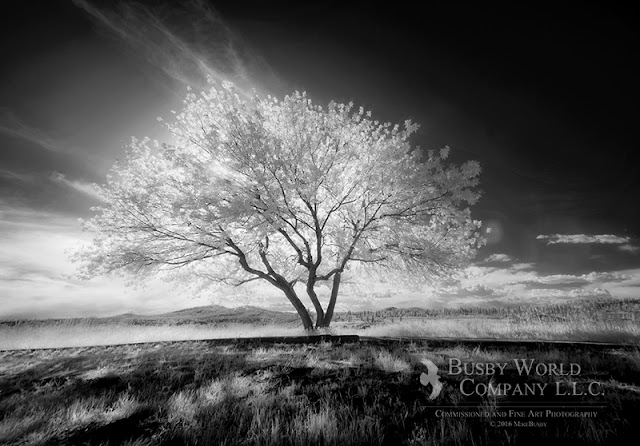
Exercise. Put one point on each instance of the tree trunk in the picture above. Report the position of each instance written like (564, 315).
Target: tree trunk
(307, 323)
(332, 302)
(320, 316)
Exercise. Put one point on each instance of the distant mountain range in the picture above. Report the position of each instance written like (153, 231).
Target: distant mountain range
(219, 315)
(211, 314)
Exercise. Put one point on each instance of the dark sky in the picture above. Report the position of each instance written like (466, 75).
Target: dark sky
(544, 97)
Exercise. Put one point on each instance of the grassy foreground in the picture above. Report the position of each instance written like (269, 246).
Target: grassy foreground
(192, 393)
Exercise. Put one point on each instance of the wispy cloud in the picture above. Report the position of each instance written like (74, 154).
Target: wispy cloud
(14, 219)
(582, 238)
(19, 177)
(498, 258)
(524, 284)
(629, 248)
(12, 125)
(188, 43)
(85, 188)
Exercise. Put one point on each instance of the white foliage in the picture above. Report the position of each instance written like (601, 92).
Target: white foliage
(283, 191)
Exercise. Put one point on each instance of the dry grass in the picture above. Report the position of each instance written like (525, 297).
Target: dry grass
(85, 335)
(26, 336)
(192, 393)
(590, 322)
(573, 330)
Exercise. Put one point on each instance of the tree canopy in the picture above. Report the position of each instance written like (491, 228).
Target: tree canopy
(286, 192)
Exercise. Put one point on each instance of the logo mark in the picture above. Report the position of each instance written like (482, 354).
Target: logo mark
(431, 378)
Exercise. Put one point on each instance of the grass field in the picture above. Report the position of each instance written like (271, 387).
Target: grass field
(193, 393)
(196, 393)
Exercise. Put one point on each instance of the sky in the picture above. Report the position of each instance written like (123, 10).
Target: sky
(544, 98)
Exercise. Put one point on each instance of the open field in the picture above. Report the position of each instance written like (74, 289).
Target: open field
(195, 393)
(616, 321)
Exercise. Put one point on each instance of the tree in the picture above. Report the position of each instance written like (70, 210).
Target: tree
(285, 192)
